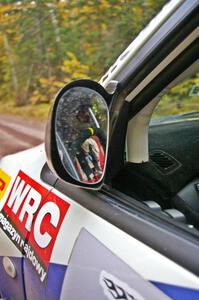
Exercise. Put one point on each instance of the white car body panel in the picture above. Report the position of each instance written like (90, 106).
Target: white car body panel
(150, 264)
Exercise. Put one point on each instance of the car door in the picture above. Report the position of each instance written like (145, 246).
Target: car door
(111, 249)
(118, 215)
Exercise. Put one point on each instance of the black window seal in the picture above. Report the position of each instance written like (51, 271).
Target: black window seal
(172, 71)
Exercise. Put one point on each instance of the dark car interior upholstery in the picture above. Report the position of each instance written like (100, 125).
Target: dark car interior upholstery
(170, 177)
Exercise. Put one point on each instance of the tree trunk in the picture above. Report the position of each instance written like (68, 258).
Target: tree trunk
(15, 81)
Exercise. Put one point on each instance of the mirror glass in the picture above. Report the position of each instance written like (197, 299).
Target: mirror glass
(81, 133)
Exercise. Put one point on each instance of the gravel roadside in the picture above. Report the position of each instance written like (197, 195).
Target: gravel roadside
(18, 134)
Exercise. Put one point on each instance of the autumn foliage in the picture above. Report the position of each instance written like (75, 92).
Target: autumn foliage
(45, 44)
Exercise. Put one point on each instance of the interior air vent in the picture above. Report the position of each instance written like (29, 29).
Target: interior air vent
(163, 161)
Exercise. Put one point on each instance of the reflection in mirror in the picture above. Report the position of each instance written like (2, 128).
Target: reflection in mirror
(81, 133)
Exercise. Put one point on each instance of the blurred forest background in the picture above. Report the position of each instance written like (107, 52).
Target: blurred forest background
(45, 44)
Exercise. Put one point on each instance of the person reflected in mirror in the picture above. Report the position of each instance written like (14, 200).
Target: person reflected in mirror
(89, 147)
(84, 141)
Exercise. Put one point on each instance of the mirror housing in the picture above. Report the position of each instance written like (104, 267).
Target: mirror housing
(77, 133)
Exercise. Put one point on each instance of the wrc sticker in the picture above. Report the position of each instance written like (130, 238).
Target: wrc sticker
(4, 182)
(31, 217)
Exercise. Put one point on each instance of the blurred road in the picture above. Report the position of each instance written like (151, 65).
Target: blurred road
(18, 134)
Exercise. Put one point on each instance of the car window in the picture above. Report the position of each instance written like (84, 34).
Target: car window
(179, 103)
(169, 181)
(174, 148)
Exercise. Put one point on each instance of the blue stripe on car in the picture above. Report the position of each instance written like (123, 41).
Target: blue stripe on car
(177, 292)
(9, 287)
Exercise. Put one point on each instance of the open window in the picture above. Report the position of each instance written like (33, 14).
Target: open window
(161, 171)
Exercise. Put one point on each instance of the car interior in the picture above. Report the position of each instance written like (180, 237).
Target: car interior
(161, 167)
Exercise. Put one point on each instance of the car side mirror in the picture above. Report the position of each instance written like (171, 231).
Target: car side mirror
(77, 133)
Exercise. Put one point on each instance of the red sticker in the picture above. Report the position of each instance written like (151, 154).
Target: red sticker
(2, 184)
(33, 216)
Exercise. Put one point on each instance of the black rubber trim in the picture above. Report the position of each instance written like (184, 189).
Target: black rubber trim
(179, 65)
(116, 149)
(178, 243)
